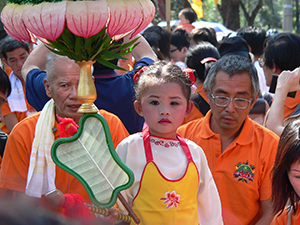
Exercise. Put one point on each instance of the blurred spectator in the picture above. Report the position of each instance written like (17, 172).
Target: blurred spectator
(160, 40)
(203, 34)
(281, 53)
(255, 38)
(234, 46)
(17, 108)
(186, 17)
(5, 89)
(178, 47)
(200, 57)
(259, 110)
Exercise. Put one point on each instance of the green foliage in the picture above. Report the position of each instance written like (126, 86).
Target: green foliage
(99, 47)
(21, 2)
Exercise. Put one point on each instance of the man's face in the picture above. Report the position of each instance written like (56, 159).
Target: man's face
(3, 99)
(15, 60)
(176, 54)
(63, 88)
(229, 119)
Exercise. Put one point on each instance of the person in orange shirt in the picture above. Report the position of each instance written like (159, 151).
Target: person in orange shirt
(5, 90)
(20, 167)
(187, 16)
(285, 177)
(239, 151)
(16, 108)
(200, 57)
(281, 53)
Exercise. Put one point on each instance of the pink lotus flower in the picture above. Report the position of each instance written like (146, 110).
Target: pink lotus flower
(86, 18)
(148, 10)
(171, 199)
(11, 17)
(46, 20)
(120, 21)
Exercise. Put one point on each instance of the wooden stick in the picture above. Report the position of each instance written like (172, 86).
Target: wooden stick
(129, 209)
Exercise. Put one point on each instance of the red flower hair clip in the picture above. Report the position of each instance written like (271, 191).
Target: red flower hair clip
(191, 74)
(138, 74)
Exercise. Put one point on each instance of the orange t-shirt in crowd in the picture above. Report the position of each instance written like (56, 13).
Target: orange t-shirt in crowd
(195, 113)
(15, 163)
(282, 219)
(291, 104)
(20, 115)
(242, 171)
(187, 27)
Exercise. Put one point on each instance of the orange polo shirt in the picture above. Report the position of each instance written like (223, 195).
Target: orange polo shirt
(291, 104)
(15, 163)
(195, 113)
(242, 171)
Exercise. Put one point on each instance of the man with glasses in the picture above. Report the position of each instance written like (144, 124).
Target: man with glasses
(239, 151)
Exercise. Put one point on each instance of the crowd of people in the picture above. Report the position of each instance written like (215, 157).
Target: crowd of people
(210, 129)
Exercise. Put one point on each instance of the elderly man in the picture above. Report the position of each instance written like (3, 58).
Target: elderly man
(240, 152)
(38, 132)
(114, 92)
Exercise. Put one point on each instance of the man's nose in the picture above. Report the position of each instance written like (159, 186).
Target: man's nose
(230, 107)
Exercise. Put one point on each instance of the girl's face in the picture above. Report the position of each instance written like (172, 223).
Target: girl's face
(164, 108)
(294, 176)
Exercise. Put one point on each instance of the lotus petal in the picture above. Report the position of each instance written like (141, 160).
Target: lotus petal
(11, 17)
(46, 20)
(86, 18)
(148, 10)
(125, 16)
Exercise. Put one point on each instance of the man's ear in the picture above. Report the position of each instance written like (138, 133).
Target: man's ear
(47, 88)
(253, 102)
(138, 108)
(184, 50)
(4, 60)
(276, 70)
(189, 108)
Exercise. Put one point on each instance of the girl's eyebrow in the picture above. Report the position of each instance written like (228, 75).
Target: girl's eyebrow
(297, 170)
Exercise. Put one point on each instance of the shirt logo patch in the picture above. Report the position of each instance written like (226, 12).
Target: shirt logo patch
(244, 172)
(171, 199)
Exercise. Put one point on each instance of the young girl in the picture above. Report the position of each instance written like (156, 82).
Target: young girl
(173, 184)
(286, 174)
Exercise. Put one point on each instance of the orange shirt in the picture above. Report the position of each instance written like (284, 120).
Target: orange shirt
(195, 113)
(14, 168)
(242, 171)
(291, 104)
(187, 27)
(20, 115)
(282, 219)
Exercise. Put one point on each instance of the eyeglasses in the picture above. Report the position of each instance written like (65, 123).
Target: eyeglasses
(171, 51)
(261, 62)
(223, 101)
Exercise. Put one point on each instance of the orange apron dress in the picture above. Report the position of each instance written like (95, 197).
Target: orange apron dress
(163, 201)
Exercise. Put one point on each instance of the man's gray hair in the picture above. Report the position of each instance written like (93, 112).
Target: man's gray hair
(51, 59)
(233, 64)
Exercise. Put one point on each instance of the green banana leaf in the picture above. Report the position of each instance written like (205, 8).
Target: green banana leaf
(90, 156)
